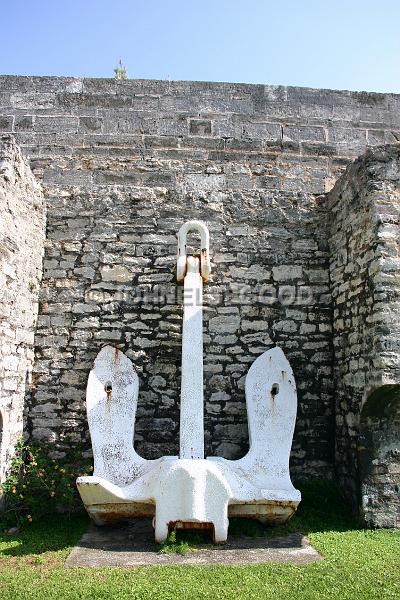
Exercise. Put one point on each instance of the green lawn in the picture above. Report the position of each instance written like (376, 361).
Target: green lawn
(358, 564)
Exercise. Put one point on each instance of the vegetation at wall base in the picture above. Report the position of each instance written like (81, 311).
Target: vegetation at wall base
(38, 486)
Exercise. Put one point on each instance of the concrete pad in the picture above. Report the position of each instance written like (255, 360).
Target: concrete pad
(132, 545)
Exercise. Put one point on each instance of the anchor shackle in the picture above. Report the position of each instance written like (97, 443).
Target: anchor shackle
(205, 267)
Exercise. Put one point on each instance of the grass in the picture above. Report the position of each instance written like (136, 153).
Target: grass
(176, 546)
(358, 564)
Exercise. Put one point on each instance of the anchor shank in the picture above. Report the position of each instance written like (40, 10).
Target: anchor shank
(192, 398)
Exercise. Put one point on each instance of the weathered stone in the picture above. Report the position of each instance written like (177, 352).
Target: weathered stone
(367, 372)
(22, 222)
(258, 193)
(118, 273)
(287, 273)
(228, 324)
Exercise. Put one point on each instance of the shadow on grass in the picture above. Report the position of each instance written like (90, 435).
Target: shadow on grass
(55, 533)
(322, 509)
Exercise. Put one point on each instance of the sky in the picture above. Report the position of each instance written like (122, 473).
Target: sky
(339, 44)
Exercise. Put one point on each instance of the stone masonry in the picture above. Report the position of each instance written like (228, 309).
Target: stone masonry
(123, 164)
(365, 284)
(21, 255)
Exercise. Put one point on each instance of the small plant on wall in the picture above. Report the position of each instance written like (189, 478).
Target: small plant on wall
(120, 71)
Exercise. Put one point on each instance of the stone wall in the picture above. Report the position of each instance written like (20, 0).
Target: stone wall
(364, 270)
(21, 254)
(110, 278)
(123, 165)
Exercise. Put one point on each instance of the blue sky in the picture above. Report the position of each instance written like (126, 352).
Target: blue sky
(342, 44)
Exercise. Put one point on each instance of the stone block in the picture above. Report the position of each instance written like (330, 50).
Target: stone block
(23, 123)
(58, 124)
(307, 134)
(263, 131)
(287, 273)
(200, 127)
(117, 273)
(91, 124)
(224, 324)
(6, 123)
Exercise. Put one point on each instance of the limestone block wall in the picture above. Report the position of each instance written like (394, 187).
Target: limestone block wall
(110, 278)
(123, 165)
(365, 277)
(21, 252)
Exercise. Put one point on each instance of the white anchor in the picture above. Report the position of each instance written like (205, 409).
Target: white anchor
(190, 491)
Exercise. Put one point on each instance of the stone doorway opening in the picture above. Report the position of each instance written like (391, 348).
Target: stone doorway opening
(379, 457)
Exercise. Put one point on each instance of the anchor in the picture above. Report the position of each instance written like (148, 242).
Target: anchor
(190, 491)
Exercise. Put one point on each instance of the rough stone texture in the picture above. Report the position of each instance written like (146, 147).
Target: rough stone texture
(379, 459)
(365, 280)
(124, 164)
(21, 252)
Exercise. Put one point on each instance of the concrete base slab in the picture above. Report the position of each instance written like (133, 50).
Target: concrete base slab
(132, 545)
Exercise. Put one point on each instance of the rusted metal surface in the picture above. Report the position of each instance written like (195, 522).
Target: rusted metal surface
(204, 262)
(112, 513)
(273, 512)
(108, 390)
(193, 526)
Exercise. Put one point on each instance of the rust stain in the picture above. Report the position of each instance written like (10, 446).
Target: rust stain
(116, 355)
(203, 259)
(110, 514)
(274, 392)
(193, 525)
(108, 390)
(273, 513)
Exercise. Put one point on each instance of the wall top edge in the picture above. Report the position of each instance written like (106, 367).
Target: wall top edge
(283, 92)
